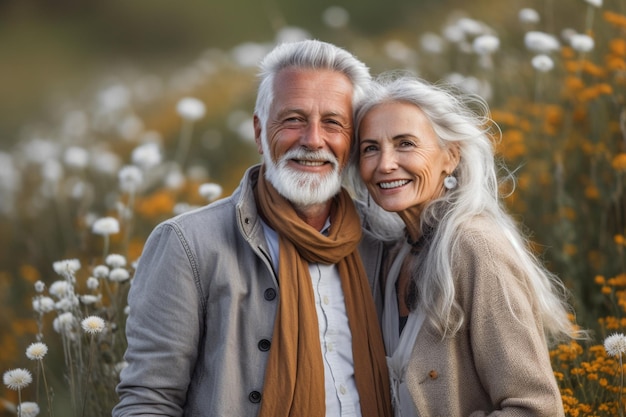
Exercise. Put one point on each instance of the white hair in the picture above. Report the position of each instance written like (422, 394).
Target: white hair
(307, 54)
(456, 119)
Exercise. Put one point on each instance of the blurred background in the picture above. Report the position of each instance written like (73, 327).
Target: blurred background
(89, 127)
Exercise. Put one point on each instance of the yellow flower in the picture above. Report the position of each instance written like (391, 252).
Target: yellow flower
(599, 279)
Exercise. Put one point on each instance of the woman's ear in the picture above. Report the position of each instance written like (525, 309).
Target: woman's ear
(454, 156)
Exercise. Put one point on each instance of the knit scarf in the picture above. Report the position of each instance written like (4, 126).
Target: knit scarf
(294, 378)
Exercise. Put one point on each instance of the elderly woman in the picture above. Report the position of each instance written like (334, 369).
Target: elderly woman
(469, 310)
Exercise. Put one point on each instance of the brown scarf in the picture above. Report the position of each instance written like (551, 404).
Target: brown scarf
(294, 379)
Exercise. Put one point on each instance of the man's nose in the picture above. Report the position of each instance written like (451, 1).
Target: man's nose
(312, 136)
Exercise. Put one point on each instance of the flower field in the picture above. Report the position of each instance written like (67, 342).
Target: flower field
(81, 191)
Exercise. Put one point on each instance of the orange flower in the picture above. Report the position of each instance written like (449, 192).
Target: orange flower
(619, 162)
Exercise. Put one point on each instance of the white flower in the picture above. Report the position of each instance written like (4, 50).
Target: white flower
(60, 289)
(93, 283)
(120, 365)
(40, 286)
(190, 108)
(76, 157)
(90, 299)
(596, 3)
(92, 324)
(67, 303)
(541, 42)
(130, 178)
(146, 155)
(17, 379)
(470, 26)
(528, 15)
(210, 191)
(335, 17)
(101, 271)
(64, 322)
(432, 43)
(119, 275)
(581, 42)
(486, 44)
(542, 63)
(67, 266)
(28, 409)
(43, 304)
(115, 261)
(106, 226)
(36, 351)
(615, 344)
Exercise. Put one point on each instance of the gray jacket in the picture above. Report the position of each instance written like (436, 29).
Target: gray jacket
(202, 307)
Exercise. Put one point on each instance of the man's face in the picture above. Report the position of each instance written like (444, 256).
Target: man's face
(306, 141)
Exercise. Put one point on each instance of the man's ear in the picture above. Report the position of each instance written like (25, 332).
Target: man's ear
(257, 133)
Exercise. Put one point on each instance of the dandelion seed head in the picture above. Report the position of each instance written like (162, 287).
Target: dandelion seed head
(89, 299)
(130, 127)
(581, 42)
(190, 108)
(595, 3)
(67, 266)
(36, 351)
(119, 275)
(210, 191)
(39, 286)
(615, 344)
(60, 289)
(127, 310)
(486, 44)
(101, 271)
(248, 54)
(92, 325)
(291, 34)
(120, 366)
(43, 304)
(541, 42)
(65, 322)
(105, 162)
(16, 379)
(106, 226)
(28, 409)
(432, 43)
(76, 157)
(528, 16)
(115, 261)
(147, 155)
(130, 178)
(93, 283)
(470, 26)
(52, 171)
(67, 303)
(542, 63)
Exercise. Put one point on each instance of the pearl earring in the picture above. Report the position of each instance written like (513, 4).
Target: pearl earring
(450, 182)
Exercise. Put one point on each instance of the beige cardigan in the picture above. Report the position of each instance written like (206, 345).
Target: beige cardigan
(498, 363)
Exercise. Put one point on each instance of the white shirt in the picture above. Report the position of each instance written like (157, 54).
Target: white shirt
(342, 397)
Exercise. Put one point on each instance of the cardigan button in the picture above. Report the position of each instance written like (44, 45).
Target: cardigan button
(264, 345)
(255, 397)
(433, 374)
(269, 294)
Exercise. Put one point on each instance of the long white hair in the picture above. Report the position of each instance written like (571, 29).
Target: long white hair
(461, 120)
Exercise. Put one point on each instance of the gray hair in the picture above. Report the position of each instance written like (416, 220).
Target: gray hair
(307, 54)
(458, 120)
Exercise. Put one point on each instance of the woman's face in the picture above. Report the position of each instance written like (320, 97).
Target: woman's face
(400, 158)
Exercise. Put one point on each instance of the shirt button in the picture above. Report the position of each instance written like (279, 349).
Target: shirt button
(342, 389)
(255, 397)
(264, 345)
(329, 346)
(326, 299)
(269, 294)
(433, 374)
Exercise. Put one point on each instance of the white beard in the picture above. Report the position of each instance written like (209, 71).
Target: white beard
(303, 189)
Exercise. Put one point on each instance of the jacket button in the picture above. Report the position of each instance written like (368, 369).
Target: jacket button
(264, 345)
(270, 294)
(255, 397)
(433, 374)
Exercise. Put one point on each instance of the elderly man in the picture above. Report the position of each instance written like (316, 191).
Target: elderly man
(261, 303)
